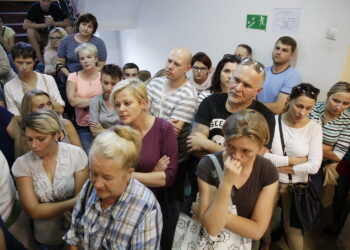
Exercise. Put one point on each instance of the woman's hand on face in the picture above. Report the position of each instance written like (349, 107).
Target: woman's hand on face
(195, 209)
(162, 164)
(233, 168)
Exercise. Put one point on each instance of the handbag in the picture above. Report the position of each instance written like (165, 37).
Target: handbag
(306, 206)
(190, 234)
(330, 174)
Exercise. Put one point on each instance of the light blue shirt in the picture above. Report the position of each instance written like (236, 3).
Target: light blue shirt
(278, 83)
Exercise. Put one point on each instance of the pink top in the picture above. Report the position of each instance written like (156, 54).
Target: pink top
(85, 89)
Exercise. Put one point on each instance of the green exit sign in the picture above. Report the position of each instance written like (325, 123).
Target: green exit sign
(257, 22)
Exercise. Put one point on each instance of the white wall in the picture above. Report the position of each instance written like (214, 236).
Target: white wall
(216, 27)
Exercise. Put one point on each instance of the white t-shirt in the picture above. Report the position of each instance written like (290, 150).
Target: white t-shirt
(14, 91)
(7, 189)
(299, 142)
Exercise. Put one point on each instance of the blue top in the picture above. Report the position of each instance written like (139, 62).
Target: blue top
(275, 84)
(66, 50)
(6, 142)
(11, 242)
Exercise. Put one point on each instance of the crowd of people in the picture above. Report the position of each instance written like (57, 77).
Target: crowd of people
(107, 157)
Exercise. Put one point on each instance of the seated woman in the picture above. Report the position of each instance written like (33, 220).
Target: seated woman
(119, 212)
(50, 52)
(301, 156)
(102, 113)
(249, 180)
(36, 100)
(201, 73)
(49, 177)
(334, 117)
(221, 76)
(67, 61)
(82, 86)
(24, 58)
(9, 136)
(157, 166)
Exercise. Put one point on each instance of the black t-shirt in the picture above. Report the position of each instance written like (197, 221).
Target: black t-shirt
(36, 15)
(263, 174)
(212, 113)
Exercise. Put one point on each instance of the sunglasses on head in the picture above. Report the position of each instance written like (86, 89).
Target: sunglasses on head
(259, 67)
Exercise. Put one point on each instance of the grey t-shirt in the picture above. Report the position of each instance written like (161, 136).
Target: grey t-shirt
(100, 112)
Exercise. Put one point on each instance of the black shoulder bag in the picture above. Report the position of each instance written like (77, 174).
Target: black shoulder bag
(306, 206)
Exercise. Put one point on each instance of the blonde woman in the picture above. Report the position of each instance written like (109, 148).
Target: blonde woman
(50, 52)
(36, 100)
(249, 180)
(49, 177)
(82, 86)
(157, 167)
(119, 212)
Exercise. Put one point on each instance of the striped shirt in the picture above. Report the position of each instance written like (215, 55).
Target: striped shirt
(179, 104)
(133, 222)
(336, 132)
(66, 50)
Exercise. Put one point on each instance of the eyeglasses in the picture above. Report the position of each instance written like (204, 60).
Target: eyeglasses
(55, 38)
(199, 69)
(305, 88)
(259, 67)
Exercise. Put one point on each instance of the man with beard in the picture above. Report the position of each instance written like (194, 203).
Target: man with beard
(281, 77)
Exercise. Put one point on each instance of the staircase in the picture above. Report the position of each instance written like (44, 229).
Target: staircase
(14, 12)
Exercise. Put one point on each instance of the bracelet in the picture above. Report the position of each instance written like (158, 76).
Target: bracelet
(59, 66)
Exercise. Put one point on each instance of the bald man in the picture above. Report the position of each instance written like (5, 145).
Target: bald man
(174, 98)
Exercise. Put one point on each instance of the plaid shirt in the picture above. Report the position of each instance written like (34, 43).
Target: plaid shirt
(133, 222)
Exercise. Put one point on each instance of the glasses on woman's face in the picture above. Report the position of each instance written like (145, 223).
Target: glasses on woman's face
(54, 38)
(199, 69)
(259, 67)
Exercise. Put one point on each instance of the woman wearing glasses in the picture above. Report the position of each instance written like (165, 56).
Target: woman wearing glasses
(301, 155)
(50, 52)
(200, 76)
(334, 117)
(221, 76)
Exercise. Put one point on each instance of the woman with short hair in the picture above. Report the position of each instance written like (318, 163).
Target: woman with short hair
(118, 212)
(82, 86)
(249, 181)
(49, 177)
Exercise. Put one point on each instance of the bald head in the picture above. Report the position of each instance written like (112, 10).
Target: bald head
(184, 53)
(178, 63)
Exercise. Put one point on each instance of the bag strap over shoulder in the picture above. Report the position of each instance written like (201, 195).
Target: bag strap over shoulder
(282, 143)
(217, 165)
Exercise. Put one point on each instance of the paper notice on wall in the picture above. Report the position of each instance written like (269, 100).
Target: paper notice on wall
(286, 20)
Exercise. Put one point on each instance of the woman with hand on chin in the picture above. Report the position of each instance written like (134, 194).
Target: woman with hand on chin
(157, 166)
(301, 156)
(82, 86)
(249, 181)
(49, 177)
